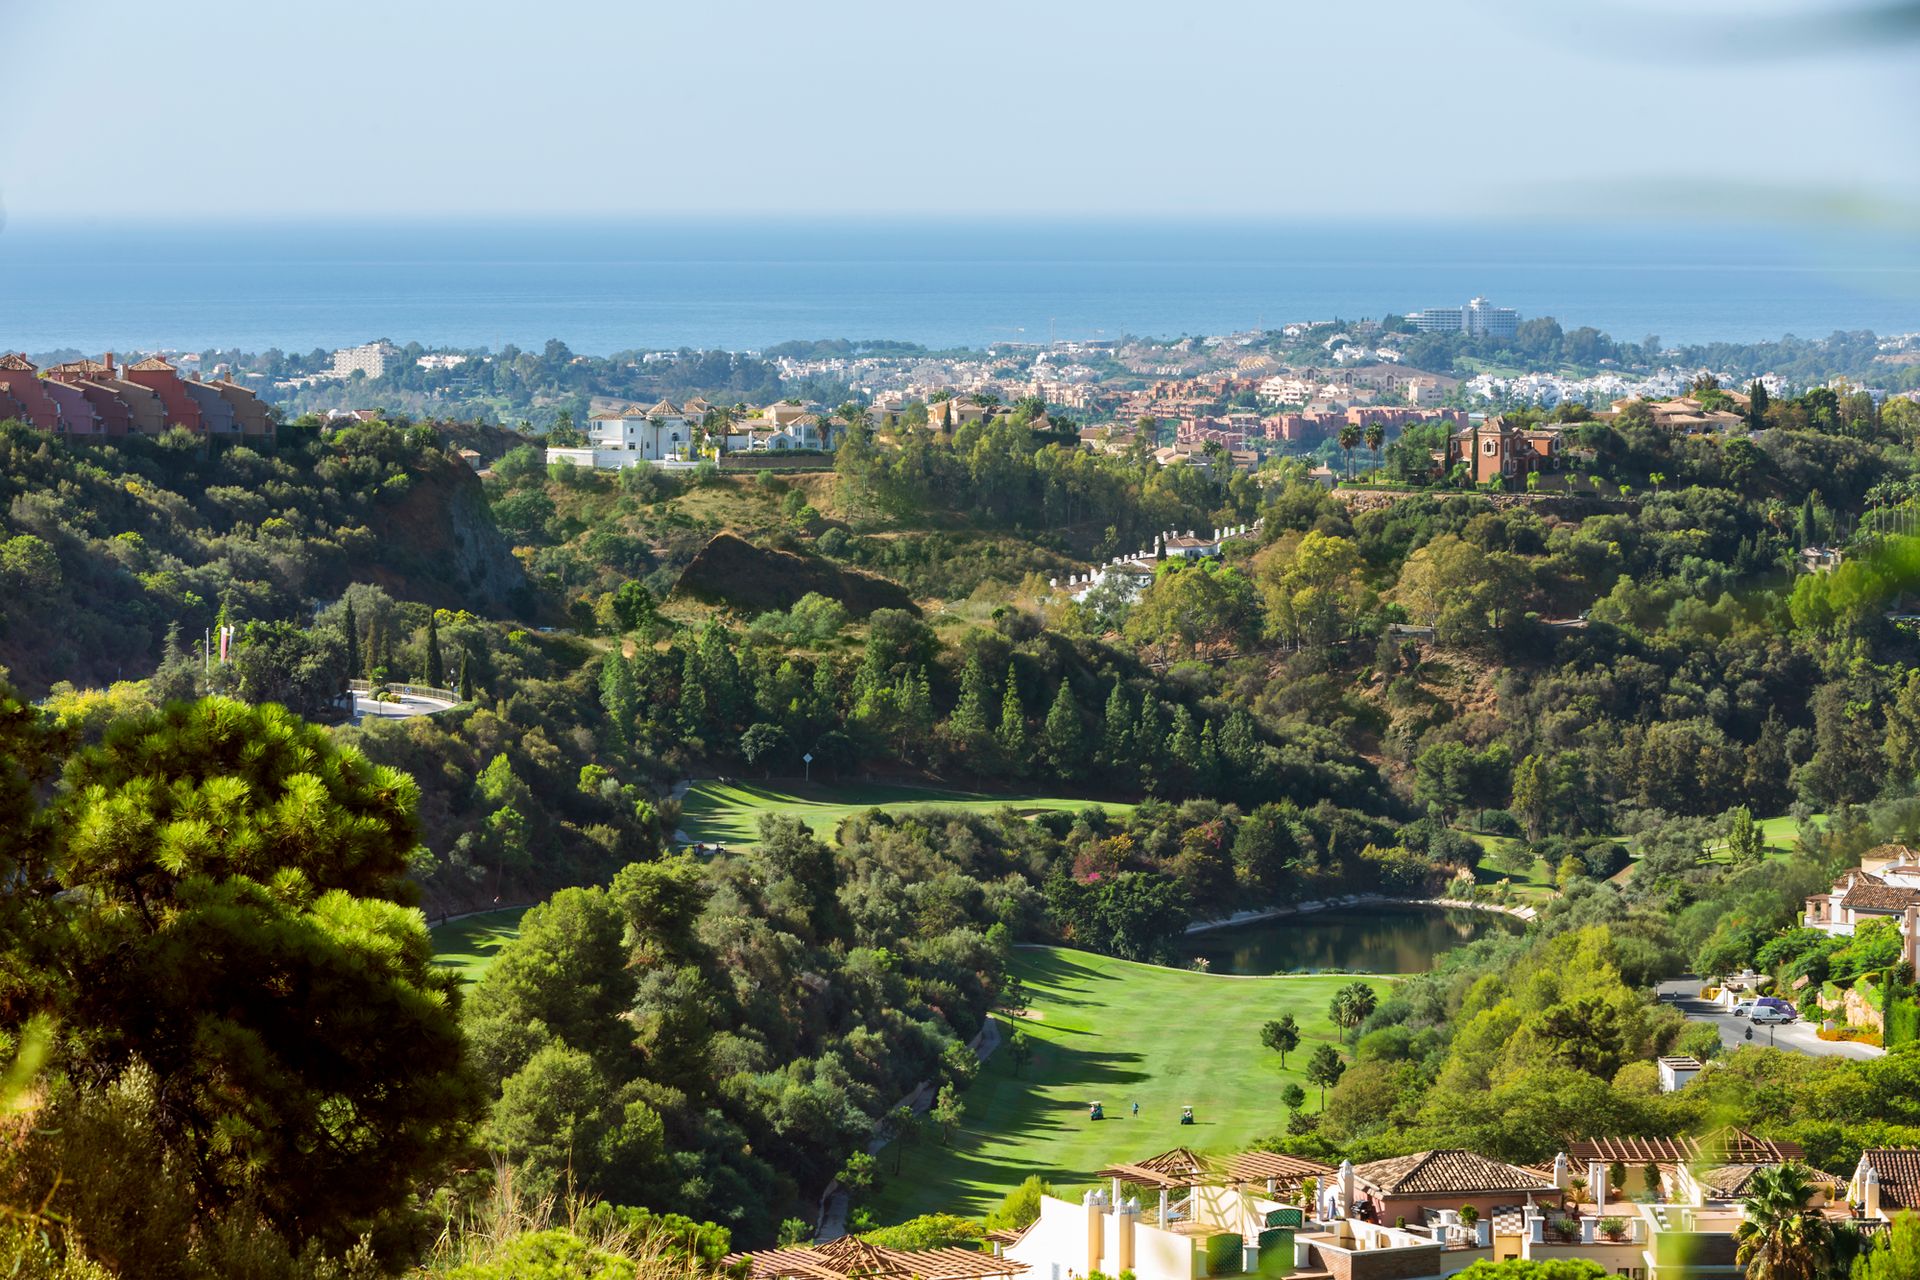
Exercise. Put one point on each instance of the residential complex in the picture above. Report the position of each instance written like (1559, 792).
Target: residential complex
(88, 399)
(1648, 1209)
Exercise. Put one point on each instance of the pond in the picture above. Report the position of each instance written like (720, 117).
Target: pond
(1377, 939)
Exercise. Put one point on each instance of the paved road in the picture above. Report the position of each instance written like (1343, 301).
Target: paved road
(408, 704)
(1797, 1036)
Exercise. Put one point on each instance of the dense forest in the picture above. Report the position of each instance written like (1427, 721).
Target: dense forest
(1617, 679)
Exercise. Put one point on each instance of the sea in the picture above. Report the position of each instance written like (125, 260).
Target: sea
(604, 287)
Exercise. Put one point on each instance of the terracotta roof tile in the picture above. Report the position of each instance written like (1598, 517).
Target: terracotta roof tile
(1899, 1170)
(1879, 897)
(1448, 1172)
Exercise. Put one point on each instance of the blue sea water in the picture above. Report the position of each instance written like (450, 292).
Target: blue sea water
(605, 287)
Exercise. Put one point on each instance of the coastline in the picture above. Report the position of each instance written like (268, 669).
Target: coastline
(1525, 914)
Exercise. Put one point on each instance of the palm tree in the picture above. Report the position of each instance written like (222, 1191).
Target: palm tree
(1376, 436)
(1781, 1238)
(1349, 441)
(1352, 1004)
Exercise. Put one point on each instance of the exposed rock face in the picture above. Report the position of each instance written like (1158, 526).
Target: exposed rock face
(732, 571)
(440, 546)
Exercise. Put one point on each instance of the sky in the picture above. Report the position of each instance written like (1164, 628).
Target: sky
(1057, 108)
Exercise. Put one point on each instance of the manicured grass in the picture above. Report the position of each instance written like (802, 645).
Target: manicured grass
(729, 813)
(1531, 887)
(1115, 1032)
(470, 944)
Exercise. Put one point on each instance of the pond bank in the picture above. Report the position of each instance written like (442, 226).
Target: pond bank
(1357, 900)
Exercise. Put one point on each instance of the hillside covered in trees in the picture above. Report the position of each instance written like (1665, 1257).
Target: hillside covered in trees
(1350, 699)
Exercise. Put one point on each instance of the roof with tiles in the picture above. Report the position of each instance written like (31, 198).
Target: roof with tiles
(1879, 897)
(1449, 1172)
(1899, 1172)
(851, 1258)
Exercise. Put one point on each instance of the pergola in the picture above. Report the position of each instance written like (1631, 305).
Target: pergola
(1184, 1172)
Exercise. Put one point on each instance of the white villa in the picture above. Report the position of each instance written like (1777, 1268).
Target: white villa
(633, 437)
(1886, 885)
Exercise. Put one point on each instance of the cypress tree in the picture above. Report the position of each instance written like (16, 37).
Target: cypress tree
(436, 666)
(351, 625)
(1757, 405)
(1012, 733)
(466, 676)
(1809, 522)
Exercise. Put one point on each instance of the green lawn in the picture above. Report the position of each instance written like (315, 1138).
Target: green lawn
(729, 813)
(1109, 1030)
(469, 945)
(1531, 887)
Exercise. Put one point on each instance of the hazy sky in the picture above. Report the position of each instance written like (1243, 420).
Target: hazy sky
(1109, 107)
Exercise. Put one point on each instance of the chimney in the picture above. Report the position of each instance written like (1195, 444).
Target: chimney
(1597, 1183)
(1346, 1187)
(1560, 1171)
(1096, 1203)
(1910, 941)
(1869, 1179)
(109, 364)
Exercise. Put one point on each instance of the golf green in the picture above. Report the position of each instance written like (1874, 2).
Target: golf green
(470, 943)
(1110, 1031)
(729, 812)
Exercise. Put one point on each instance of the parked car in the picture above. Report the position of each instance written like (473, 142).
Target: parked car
(1766, 1013)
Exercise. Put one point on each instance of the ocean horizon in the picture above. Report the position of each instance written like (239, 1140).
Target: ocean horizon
(604, 286)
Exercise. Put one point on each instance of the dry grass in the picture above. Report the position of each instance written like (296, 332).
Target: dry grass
(494, 1233)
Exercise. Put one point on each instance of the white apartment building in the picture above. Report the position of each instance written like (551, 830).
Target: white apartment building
(1479, 318)
(373, 359)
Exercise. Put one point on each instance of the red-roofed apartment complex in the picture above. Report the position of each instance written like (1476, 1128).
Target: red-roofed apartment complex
(92, 398)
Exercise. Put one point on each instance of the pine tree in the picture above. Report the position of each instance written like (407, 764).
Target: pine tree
(1206, 767)
(1065, 743)
(693, 697)
(1183, 744)
(618, 695)
(969, 724)
(1240, 741)
(1012, 733)
(1148, 739)
(436, 666)
(913, 700)
(1116, 739)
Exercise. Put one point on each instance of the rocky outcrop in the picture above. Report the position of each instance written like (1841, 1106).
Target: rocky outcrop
(732, 571)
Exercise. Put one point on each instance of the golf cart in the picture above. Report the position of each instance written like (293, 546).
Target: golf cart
(1095, 1111)
(1186, 1115)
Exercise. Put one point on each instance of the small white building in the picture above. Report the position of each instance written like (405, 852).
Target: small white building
(1678, 1071)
